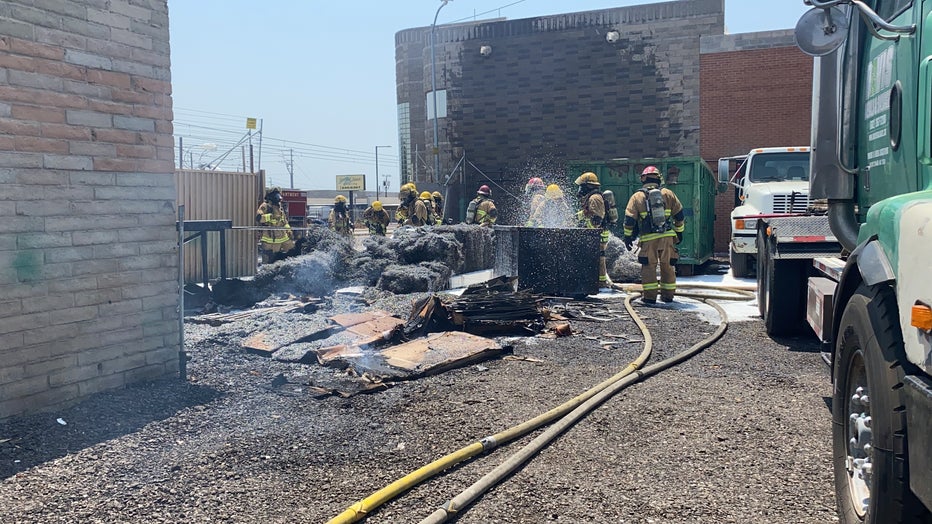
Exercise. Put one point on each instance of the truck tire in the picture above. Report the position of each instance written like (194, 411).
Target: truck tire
(869, 444)
(781, 299)
(739, 264)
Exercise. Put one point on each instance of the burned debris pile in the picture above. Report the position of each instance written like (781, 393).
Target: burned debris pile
(415, 260)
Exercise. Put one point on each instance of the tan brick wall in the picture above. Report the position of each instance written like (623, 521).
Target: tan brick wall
(88, 270)
(751, 98)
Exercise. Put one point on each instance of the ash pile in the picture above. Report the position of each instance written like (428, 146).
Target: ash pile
(414, 260)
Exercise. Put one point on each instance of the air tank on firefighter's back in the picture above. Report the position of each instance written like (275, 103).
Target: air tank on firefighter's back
(691, 178)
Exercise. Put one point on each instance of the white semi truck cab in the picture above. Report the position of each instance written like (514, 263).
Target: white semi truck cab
(770, 181)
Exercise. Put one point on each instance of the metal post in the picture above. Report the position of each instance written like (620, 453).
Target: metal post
(433, 94)
(182, 355)
(377, 171)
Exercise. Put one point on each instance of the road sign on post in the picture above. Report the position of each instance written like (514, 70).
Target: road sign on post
(351, 182)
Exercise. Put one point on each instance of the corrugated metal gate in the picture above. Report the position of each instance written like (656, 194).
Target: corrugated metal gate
(221, 195)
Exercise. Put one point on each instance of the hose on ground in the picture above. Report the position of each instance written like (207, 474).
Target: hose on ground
(470, 494)
(361, 508)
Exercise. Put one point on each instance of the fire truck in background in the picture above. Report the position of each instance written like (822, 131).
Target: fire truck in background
(770, 182)
(869, 298)
(295, 206)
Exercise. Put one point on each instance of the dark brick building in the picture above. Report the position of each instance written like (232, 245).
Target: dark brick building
(519, 98)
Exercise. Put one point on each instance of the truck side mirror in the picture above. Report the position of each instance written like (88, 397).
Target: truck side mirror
(724, 170)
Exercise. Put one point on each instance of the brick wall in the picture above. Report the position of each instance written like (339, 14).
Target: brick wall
(88, 269)
(756, 92)
(553, 89)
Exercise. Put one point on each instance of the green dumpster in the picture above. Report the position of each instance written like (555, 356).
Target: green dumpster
(690, 178)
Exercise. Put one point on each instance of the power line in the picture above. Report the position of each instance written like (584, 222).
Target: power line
(473, 17)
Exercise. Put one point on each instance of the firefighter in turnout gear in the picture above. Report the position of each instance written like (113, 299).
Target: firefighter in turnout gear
(274, 244)
(412, 211)
(481, 210)
(535, 190)
(428, 200)
(438, 206)
(592, 216)
(655, 215)
(401, 214)
(376, 219)
(339, 219)
(553, 212)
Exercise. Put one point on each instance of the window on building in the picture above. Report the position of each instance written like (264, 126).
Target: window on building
(404, 139)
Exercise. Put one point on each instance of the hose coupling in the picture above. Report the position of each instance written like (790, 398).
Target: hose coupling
(489, 443)
(449, 508)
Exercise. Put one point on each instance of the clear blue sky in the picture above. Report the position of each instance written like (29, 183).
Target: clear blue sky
(321, 75)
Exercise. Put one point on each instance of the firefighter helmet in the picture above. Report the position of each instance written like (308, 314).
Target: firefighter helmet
(340, 199)
(437, 195)
(535, 183)
(554, 192)
(588, 178)
(651, 170)
(425, 195)
(377, 205)
(406, 191)
(484, 190)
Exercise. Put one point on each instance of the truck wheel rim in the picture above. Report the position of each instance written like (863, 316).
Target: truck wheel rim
(859, 436)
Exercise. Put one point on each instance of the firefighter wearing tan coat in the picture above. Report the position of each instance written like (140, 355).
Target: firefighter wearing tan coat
(655, 215)
(592, 216)
(276, 242)
(412, 211)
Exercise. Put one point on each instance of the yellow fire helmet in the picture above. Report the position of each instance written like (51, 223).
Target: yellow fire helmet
(554, 192)
(339, 198)
(425, 196)
(588, 178)
(437, 195)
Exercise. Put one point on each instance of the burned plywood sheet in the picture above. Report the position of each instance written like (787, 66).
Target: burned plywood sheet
(297, 337)
(364, 329)
(351, 319)
(440, 351)
(431, 354)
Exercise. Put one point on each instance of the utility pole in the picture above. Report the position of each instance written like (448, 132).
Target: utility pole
(433, 94)
(290, 166)
(377, 170)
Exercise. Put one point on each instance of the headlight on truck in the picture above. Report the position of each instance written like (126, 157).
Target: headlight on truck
(746, 223)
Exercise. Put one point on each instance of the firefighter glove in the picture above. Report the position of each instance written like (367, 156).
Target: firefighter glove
(679, 237)
(629, 242)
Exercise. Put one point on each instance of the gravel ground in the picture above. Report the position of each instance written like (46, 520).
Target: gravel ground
(738, 434)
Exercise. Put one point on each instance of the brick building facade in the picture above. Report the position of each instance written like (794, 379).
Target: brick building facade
(756, 92)
(88, 261)
(522, 97)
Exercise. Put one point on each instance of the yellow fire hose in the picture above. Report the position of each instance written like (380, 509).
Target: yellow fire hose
(576, 408)
(494, 477)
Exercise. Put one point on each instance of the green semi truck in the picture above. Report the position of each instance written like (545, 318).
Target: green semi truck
(868, 296)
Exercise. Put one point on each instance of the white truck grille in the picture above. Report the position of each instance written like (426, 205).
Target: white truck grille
(799, 201)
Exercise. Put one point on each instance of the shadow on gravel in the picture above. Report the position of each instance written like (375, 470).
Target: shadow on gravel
(29, 440)
(806, 344)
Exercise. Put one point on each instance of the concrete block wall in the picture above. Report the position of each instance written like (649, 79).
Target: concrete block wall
(756, 92)
(553, 89)
(88, 263)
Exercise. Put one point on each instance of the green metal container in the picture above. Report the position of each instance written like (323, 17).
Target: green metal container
(690, 178)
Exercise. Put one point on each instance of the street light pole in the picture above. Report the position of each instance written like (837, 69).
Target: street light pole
(433, 93)
(377, 171)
